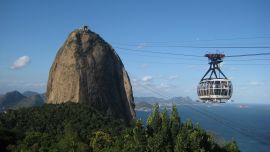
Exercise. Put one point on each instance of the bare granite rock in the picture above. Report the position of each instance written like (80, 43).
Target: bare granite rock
(87, 69)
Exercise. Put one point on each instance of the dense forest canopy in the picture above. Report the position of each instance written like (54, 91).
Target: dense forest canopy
(79, 127)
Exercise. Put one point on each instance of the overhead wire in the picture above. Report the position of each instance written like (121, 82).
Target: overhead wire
(158, 52)
(182, 58)
(187, 55)
(197, 64)
(244, 55)
(212, 47)
(161, 57)
(192, 59)
(197, 40)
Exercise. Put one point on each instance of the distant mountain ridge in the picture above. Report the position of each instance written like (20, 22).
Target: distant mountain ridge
(10, 99)
(16, 100)
(146, 103)
(152, 100)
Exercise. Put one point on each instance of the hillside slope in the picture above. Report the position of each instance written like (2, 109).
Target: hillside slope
(79, 127)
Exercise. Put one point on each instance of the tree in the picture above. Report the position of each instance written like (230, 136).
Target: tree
(165, 131)
(71, 142)
(8, 137)
(154, 120)
(175, 123)
(100, 141)
(181, 143)
(139, 137)
(231, 147)
(188, 124)
(139, 133)
(33, 141)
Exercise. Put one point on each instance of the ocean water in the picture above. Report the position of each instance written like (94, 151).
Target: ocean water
(248, 124)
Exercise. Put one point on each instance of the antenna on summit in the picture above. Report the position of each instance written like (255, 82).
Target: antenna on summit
(85, 28)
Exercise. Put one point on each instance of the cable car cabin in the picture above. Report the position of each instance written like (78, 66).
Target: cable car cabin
(215, 90)
(214, 85)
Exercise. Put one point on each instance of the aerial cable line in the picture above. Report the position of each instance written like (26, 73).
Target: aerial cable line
(157, 52)
(248, 64)
(193, 46)
(243, 55)
(161, 57)
(202, 40)
(197, 64)
(250, 60)
(170, 53)
(152, 90)
(170, 57)
(212, 47)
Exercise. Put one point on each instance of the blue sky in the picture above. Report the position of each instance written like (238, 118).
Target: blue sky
(33, 31)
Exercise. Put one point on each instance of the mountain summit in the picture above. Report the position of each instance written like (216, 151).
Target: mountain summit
(88, 70)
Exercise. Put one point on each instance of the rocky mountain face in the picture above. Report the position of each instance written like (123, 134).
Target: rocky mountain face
(87, 69)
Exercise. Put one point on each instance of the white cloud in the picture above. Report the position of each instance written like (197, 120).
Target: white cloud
(37, 84)
(145, 66)
(221, 64)
(173, 77)
(254, 83)
(234, 69)
(20, 62)
(165, 87)
(147, 78)
(141, 45)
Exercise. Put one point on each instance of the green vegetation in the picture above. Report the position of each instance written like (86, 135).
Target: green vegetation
(79, 127)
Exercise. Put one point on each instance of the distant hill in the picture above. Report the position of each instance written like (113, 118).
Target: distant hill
(149, 99)
(143, 106)
(152, 100)
(15, 100)
(31, 101)
(146, 103)
(180, 100)
(10, 99)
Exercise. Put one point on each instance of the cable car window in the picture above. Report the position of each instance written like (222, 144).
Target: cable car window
(211, 92)
(217, 84)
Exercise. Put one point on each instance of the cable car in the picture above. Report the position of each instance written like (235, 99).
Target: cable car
(214, 86)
